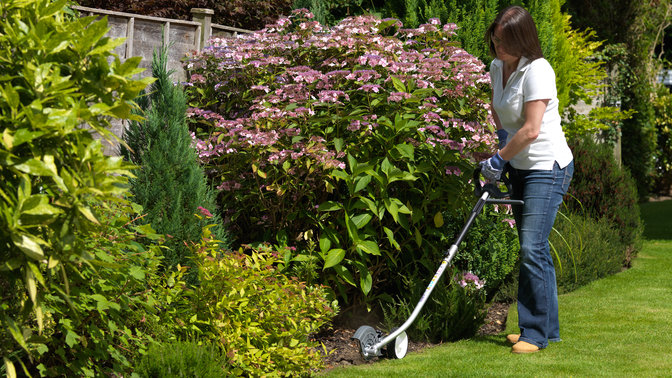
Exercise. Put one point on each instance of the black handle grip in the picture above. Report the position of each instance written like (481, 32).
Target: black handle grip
(497, 195)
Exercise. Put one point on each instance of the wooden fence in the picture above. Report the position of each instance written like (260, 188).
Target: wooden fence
(145, 33)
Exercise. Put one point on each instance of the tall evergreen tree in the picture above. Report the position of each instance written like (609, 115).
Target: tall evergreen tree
(170, 185)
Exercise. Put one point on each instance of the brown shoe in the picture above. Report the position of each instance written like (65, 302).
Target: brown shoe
(524, 347)
(513, 338)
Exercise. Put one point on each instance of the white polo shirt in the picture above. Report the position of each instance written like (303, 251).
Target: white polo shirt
(532, 80)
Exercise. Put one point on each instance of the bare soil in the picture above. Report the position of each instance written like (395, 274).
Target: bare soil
(342, 351)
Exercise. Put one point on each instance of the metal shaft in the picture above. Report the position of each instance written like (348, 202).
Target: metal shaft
(373, 350)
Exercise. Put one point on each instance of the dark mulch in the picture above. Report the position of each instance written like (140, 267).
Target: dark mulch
(342, 351)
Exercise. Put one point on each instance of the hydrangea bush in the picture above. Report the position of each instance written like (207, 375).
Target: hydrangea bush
(347, 142)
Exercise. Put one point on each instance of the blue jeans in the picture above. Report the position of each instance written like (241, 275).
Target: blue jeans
(542, 192)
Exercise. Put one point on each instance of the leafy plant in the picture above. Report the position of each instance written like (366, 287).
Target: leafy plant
(587, 249)
(261, 319)
(663, 155)
(490, 248)
(601, 188)
(355, 135)
(59, 82)
(456, 309)
(181, 359)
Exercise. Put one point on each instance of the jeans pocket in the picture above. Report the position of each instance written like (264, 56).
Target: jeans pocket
(568, 174)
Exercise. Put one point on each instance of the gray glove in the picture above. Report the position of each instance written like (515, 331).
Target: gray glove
(492, 168)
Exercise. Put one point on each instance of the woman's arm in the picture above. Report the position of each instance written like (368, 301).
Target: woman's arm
(534, 112)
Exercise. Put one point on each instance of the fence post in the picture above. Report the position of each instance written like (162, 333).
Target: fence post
(204, 16)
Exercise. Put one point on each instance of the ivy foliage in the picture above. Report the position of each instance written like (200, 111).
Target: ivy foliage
(59, 82)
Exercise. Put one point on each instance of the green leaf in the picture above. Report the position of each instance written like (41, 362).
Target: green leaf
(29, 245)
(329, 206)
(352, 228)
(102, 303)
(365, 281)
(338, 144)
(393, 209)
(352, 163)
(88, 214)
(345, 274)
(386, 167)
(334, 257)
(325, 243)
(340, 174)
(11, 96)
(390, 238)
(15, 332)
(31, 285)
(9, 368)
(35, 167)
(38, 204)
(398, 84)
(25, 135)
(406, 150)
(369, 246)
(362, 182)
(137, 272)
(361, 220)
(71, 338)
(438, 219)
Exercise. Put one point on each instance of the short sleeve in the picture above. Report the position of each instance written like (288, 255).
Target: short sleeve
(539, 82)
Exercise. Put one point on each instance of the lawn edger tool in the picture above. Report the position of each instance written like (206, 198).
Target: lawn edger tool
(371, 342)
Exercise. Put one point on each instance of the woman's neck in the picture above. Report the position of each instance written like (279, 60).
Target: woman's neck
(511, 65)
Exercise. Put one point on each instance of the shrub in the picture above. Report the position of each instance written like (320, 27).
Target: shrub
(352, 137)
(455, 310)
(490, 248)
(170, 184)
(59, 83)
(602, 189)
(585, 249)
(261, 319)
(181, 359)
(663, 155)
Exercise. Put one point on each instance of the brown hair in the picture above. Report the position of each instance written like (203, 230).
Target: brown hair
(519, 33)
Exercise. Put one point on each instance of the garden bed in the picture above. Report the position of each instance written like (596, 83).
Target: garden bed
(342, 351)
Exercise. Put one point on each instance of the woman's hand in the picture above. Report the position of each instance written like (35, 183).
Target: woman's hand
(492, 168)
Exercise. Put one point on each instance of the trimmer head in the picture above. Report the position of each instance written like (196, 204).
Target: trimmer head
(369, 338)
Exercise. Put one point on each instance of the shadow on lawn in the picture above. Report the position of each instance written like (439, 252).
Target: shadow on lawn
(657, 218)
(499, 340)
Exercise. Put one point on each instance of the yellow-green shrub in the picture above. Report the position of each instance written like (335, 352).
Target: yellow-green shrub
(58, 81)
(261, 318)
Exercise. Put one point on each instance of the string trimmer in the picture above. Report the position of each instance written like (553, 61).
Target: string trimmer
(371, 342)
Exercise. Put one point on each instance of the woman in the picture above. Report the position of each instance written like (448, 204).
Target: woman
(525, 110)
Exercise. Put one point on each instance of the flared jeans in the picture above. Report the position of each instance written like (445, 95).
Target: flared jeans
(542, 192)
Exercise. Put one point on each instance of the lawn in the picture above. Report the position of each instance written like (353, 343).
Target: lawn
(618, 326)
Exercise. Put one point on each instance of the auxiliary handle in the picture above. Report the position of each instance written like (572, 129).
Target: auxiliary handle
(494, 191)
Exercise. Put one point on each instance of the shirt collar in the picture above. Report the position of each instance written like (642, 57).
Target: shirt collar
(521, 63)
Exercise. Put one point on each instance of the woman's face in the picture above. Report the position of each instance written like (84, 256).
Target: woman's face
(500, 47)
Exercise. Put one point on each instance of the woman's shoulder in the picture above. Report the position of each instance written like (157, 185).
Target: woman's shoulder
(540, 64)
(541, 68)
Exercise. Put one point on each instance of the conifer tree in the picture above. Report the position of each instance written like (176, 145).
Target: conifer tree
(170, 185)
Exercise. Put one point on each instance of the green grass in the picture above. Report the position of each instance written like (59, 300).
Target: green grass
(618, 326)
